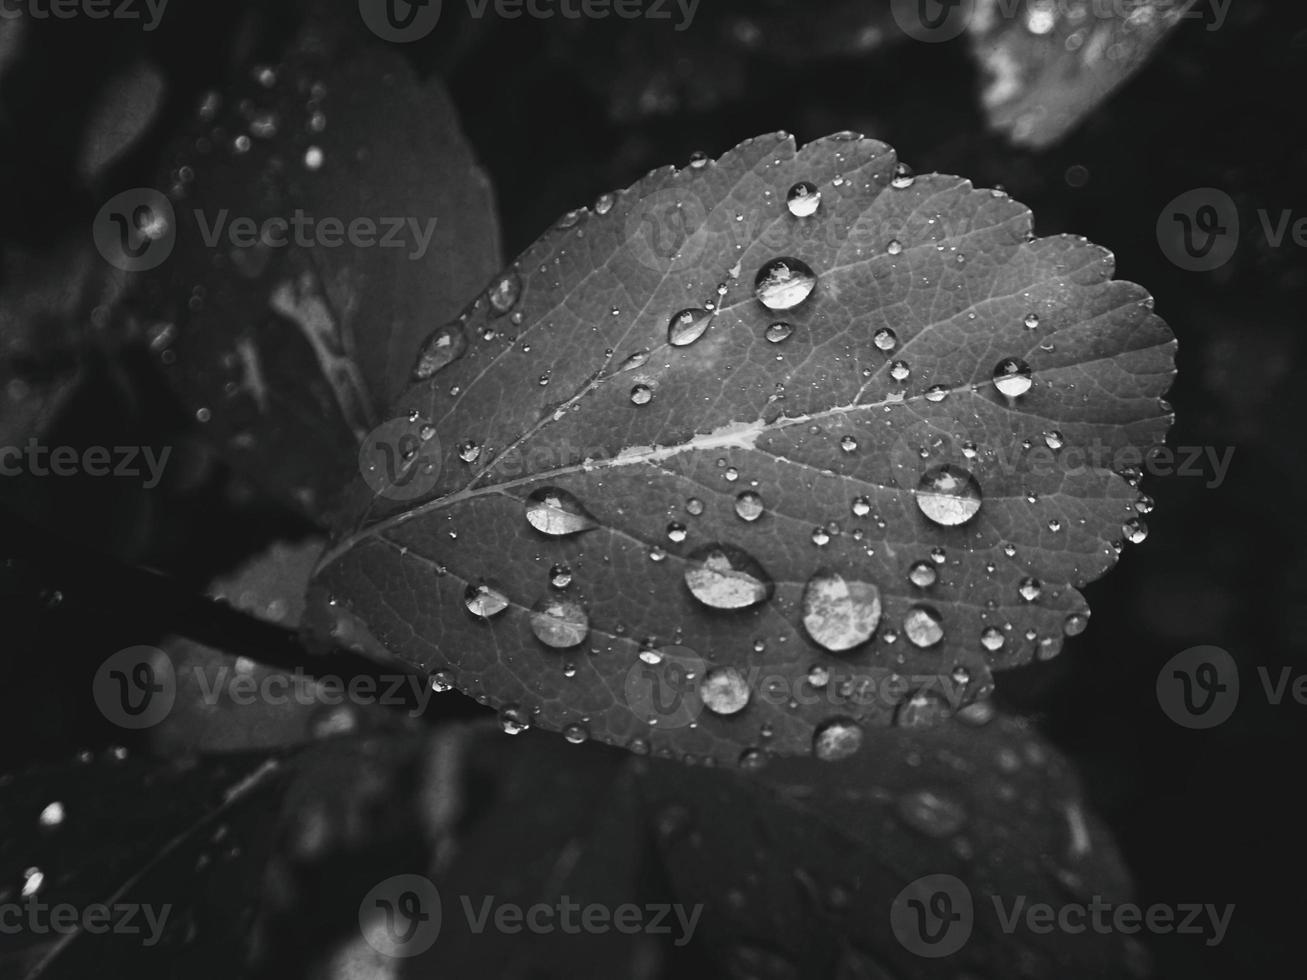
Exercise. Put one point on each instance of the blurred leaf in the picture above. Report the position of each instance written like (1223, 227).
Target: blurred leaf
(803, 869)
(590, 506)
(1050, 64)
(290, 339)
(127, 106)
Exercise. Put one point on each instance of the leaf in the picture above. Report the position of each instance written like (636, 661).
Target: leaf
(124, 111)
(804, 869)
(186, 842)
(1050, 65)
(727, 518)
(290, 339)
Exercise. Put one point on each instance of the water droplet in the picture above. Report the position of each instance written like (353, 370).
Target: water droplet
(923, 709)
(923, 626)
(752, 759)
(694, 507)
(1135, 531)
(557, 513)
(33, 879)
(778, 332)
(1145, 504)
(749, 506)
(637, 360)
(937, 393)
(722, 576)
(604, 203)
(818, 676)
(820, 537)
(903, 177)
(992, 639)
(838, 613)
(576, 733)
(688, 326)
(513, 720)
(469, 452)
(784, 283)
(560, 623)
(504, 294)
(836, 738)
(485, 599)
(885, 339)
(1012, 377)
(948, 495)
(931, 814)
(849, 444)
(1053, 439)
(676, 532)
(52, 815)
(1075, 624)
(1029, 589)
(445, 345)
(641, 395)
(895, 247)
(922, 574)
(900, 371)
(698, 159)
(861, 506)
(1032, 321)
(724, 691)
(314, 158)
(803, 200)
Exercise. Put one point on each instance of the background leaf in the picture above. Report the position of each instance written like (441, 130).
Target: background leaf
(290, 353)
(578, 504)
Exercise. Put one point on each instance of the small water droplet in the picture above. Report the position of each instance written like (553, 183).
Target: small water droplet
(513, 719)
(839, 613)
(52, 816)
(576, 733)
(444, 346)
(722, 576)
(557, 513)
(849, 444)
(784, 283)
(803, 199)
(560, 623)
(469, 452)
(818, 676)
(820, 537)
(836, 738)
(900, 371)
(504, 294)
(749, 506)
(861, 506)
(1075, 624)
(992, 639)
(1053, 439)
(1032, 321)
(694, 507)
(885, 339)
(922, 574)
(688, 326)
(1012, 377)
(676, 532)
(923, 626)
(937, 393)
(724, 691)
(485, 599)
(895, 247)
(948, 495)
(442, 682)
(1135, 530)
(1029, 589)
(641, 394)
(604, 203)
(931, 814)
(903, 177)
(779, 332)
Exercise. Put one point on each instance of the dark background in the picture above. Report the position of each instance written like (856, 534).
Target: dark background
(1200, 816)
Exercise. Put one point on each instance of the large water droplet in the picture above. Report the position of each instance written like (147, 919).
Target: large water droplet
(504, 294)
(722, 576)
(749, 506)
(836, 738)
(560, 623)
(803, 200)
(688, 326)
(931, 814)
(724, 691)
(557, 513)
(839, 613)
(445, 345)
(948, 495)
(784, 283)
(485, 599)
(923, 626)
(1012, 377)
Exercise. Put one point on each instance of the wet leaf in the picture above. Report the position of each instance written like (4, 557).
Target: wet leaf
(806, 869)
(1049, 65)
(886, 428)
(328, 216)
